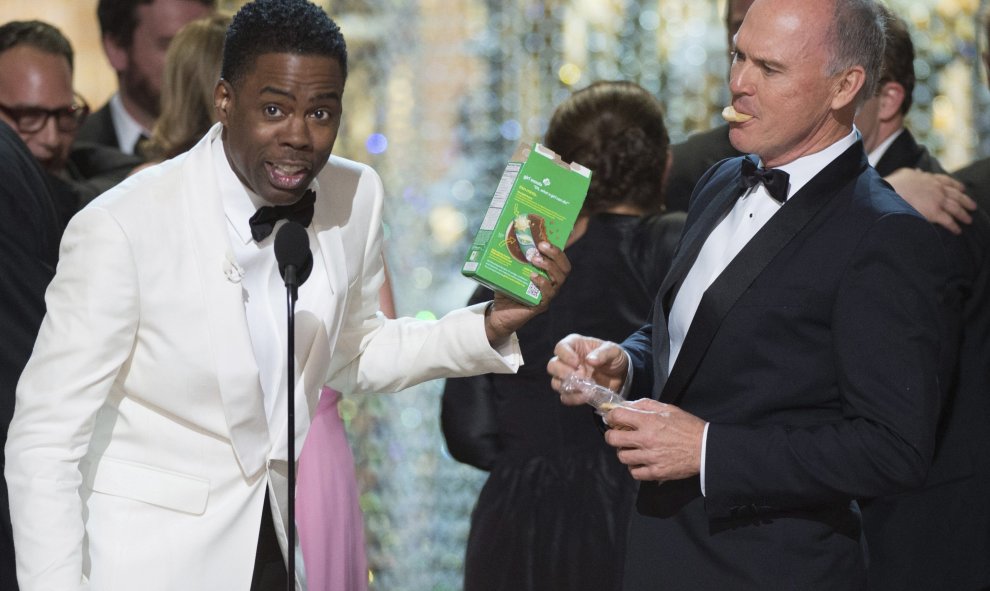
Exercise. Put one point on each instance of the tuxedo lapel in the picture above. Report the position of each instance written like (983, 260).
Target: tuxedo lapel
(329, 239)
(331, 249)
(237, 373)
(719, 298)
(902, 152)
(312, 331)
(687, 251)
(906, 152)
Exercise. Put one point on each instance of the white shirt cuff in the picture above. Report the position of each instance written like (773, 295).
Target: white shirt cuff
(704, 449)
(626, 385)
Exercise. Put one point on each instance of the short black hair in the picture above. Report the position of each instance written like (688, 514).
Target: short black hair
(37, 34)
(279, 26)
(118, 18)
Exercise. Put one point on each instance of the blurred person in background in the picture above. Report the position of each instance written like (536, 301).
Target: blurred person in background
(29, 234)
(136, 35)
(37, 100)
(976, 176)
(553, 512)
(937, 536)
(192, 69)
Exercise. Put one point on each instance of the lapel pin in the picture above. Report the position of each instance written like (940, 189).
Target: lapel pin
(231, 269)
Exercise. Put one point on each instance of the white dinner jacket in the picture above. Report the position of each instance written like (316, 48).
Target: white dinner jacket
(139, 452)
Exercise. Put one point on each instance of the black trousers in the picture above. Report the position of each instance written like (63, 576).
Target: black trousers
(269, 566)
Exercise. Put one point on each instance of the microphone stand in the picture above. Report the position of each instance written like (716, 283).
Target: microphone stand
(295, 261)
(291, 294)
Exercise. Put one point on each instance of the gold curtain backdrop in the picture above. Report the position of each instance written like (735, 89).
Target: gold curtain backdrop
(439, 93)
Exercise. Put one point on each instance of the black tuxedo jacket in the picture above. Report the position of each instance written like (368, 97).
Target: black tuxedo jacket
(905, 152)
(98, 129)
(938, 536)
(29, 236)
(814, 358)
(976, 177)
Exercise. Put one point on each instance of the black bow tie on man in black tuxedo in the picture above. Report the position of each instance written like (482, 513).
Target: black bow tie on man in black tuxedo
(775, 180)
(263, 220)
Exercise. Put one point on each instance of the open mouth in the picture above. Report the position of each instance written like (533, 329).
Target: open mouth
(286, 176)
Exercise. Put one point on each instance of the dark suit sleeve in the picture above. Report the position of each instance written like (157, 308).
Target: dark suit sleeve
(468, 415)
(885, 330)
(639, 346)
(29, 234)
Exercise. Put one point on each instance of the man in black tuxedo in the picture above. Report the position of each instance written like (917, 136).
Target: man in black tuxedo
(937, 537)
(136, 34)
(791, 365)
(29, 235)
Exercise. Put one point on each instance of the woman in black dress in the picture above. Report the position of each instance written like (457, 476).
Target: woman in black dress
(553, 512)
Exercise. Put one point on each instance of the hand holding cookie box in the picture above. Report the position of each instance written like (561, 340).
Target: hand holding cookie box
(538, 199)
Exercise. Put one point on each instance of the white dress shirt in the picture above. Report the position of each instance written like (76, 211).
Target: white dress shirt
(129, 131)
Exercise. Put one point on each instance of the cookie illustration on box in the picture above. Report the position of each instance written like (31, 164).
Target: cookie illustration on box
(537, 200)
(522, 236)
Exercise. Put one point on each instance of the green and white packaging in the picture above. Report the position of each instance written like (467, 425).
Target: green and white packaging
(538, 198)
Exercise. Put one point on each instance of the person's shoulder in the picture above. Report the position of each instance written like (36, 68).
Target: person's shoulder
(662, 225)
(978, 169)
(343, 174)
(976, 177)
(714, 143)
(691, 158)
(98, 128)
(15, 157)
(340, 165)
(350, 193)
(92, 160)
(159, 183)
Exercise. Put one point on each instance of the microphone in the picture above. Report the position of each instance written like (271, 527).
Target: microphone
(295, 260)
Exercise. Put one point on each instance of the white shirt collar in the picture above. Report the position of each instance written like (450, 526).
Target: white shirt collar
(805, 168)
(127, 128)
(878, 152)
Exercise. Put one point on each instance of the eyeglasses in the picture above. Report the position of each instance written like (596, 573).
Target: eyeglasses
(34, 119)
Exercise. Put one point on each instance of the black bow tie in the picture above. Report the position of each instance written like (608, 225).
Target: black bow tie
(774, 180)
(263, 220)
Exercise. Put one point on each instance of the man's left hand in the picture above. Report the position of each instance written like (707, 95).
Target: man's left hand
(656, 441)
(506, 315)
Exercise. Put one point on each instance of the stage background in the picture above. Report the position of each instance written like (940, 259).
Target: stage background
(439, 93)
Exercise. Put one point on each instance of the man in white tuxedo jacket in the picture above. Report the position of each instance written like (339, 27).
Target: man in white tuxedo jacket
(150, 421)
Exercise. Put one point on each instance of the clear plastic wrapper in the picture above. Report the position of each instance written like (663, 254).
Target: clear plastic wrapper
(594, 394)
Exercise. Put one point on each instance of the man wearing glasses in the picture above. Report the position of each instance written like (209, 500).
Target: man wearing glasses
(37, 101)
